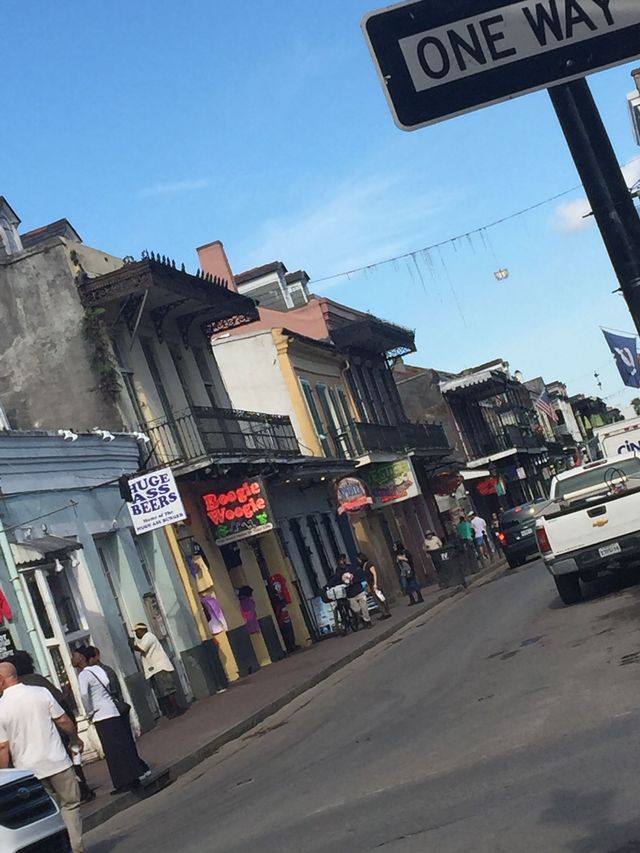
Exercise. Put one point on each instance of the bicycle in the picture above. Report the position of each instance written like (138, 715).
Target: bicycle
(345, 619)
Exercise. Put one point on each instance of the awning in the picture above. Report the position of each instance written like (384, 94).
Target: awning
(41, 550)
(475, 474)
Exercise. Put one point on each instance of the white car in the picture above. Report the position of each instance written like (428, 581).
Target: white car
(29, 819)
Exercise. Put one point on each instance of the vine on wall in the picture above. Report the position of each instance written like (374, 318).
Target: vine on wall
(103, 361)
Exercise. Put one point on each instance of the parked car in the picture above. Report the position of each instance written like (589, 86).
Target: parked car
(591, 524)
(517, 534)
(29, 818)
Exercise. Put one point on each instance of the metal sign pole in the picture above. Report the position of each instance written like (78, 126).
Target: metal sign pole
(604, 184)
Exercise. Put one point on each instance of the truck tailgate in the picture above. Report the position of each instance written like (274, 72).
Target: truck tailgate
(595, 523)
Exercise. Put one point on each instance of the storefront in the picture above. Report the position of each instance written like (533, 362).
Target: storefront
(79, 573)
(240, 570)
(396, 511)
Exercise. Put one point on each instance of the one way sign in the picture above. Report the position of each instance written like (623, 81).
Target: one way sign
(440, 58)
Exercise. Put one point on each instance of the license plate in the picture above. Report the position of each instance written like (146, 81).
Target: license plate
(528, 532)
(610, 550)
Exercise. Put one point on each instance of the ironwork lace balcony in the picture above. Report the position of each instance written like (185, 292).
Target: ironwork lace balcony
(202, 432)
(362, 438)
(513, 438)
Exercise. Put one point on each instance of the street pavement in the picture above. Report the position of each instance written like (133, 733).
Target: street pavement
(497, 723)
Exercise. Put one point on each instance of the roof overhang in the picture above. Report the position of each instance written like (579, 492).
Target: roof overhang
(157, 288)
(35, 553)
(478, 386)
(374, 335)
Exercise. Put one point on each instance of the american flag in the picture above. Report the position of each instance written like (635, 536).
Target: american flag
(544, 404)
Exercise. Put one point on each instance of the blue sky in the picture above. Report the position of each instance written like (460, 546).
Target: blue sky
(163, 125)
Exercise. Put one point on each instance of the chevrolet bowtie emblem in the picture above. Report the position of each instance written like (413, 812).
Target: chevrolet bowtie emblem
(601, 522)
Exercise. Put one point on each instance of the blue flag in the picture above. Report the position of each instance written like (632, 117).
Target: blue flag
(625, 351)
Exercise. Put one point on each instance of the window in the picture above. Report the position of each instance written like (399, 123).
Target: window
(178, 362)
(330, 417)
(312, 524)
(149, 354)
(315, 417)
(127, 380)
(206, 375)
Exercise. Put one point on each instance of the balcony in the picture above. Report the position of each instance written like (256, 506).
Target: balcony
(361, 439)
(202, 432)
(513, 438)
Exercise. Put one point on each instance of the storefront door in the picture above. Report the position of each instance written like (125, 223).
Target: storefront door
(61, 626)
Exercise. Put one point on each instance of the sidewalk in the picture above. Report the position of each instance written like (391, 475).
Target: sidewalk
(179, 745)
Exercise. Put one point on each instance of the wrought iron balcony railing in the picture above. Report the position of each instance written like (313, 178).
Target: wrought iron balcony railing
(363, 438)
(202, 432)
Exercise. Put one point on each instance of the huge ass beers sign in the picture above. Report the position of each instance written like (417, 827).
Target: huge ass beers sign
(238, 512)
(156, 501)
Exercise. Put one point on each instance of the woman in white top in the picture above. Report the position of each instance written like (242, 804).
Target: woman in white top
(125, 765)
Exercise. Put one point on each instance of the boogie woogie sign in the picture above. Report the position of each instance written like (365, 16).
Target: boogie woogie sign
(156, 501)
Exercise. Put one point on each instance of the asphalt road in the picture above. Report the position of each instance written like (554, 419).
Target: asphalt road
(501, 723)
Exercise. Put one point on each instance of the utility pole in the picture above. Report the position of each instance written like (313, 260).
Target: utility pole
(604, 184)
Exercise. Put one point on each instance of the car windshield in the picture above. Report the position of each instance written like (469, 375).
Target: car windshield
(515, 517)
(603, 477)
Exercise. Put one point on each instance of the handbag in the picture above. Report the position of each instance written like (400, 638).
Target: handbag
(122, 707)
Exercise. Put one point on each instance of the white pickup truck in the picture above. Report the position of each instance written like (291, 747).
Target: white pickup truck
(591, 523)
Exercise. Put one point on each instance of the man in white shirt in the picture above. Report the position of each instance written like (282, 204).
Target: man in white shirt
(29, 721)
(480, 532)
(158, 670)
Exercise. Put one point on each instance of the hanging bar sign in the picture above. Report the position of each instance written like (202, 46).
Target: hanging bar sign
(440, 58)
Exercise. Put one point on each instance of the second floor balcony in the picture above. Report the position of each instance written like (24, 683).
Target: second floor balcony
(202, 434)
(512, 438)
(361, 439)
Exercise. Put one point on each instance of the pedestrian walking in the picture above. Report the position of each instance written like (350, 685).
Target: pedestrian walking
(113, 681)
(479, 526)
(495, 530)
(407, 572)
(373, 579)
(355, 580)
(432, 542)
(464, 531)
(126, 768)
(30, 719)
(158, 670)
(27, 674)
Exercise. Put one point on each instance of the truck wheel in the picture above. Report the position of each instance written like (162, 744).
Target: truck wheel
(569, 588)
(514, 562)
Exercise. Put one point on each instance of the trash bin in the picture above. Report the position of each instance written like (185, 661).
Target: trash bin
(450, 567)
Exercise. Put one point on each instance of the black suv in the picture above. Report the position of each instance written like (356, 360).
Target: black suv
(518, 534)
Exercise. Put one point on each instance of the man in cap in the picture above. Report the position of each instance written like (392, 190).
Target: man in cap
(158, 670)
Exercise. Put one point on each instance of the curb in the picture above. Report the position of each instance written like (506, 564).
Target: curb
(179, 768)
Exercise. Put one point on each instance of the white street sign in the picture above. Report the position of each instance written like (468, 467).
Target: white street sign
(156, 501)
(440, 58)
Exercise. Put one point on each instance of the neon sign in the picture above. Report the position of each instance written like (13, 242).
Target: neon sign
(239, 512)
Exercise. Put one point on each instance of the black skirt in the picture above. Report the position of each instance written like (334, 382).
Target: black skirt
(124, 763)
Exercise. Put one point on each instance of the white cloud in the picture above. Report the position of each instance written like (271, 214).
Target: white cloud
(572, 216)
(173, 187)
(358, 222)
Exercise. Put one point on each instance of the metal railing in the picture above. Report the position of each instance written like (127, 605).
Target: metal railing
(204, 431)
(513, 438)
(362, 438)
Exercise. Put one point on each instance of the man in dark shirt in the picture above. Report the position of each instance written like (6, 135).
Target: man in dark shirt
(355, 580)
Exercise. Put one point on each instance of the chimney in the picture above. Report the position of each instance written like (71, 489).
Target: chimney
(10, 241)
(213, 261)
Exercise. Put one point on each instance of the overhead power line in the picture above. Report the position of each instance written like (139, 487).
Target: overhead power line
(454, 240)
